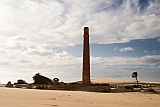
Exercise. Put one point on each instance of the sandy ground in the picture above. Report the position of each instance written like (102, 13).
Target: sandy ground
(15, 97)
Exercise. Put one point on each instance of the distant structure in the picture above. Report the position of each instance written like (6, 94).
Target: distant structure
(86, 58)
(9, 84)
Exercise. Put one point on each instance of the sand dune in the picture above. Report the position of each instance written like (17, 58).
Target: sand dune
(109, 80)
(118, 81)
(17, 97)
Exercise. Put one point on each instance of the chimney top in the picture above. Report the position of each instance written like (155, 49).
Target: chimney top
(86, 31)
(85, 27)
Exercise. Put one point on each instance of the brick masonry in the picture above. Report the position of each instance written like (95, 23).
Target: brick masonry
(86, 58)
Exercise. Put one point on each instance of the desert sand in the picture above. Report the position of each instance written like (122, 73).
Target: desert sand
(109, 80)
(18, 97)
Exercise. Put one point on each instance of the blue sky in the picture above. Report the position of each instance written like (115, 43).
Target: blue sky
(139, 47)
(46, 36)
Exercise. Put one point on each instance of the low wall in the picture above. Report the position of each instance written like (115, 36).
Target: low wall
(74, 87)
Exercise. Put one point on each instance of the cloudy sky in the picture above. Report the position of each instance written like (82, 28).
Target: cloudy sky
(46, 36)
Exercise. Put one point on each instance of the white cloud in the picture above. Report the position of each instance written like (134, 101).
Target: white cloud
(128, 67)
(144, 60)
(28, 54)
(115, 48)
(109, 67)
(126, 49)
(32, 55)
(19, 38)
(4, 64)
(150, 59)
(145, 51)
(132, 67)
(61, 23)
(24, 61)
(144, 25)
(39, 52)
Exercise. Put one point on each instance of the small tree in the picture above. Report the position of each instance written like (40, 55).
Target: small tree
(135, 75)
(39, 79)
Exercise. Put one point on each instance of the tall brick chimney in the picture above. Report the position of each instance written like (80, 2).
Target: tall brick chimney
(86, 58)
